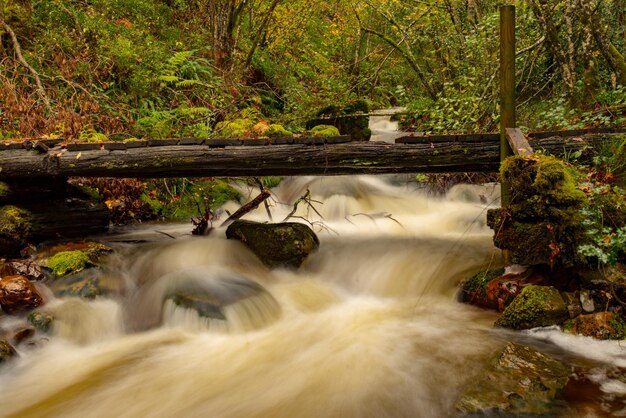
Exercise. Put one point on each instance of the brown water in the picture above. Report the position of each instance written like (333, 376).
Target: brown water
(368, 327)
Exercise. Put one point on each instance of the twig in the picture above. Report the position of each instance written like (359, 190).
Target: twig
(267, 206)
(251, 205)
(18, 52)
(166, 234)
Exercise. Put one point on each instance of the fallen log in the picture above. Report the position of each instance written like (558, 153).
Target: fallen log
(296, 159)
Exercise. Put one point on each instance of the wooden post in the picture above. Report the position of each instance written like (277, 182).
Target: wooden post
(507, 86)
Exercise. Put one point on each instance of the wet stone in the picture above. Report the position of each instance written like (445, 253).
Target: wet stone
(535, 306)
(586, 301)
(18, 294)
(519, 381)
(601, 325)
(572, 300)
(27, 268)
(42, 321)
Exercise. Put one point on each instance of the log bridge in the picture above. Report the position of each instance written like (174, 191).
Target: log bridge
(283, 156)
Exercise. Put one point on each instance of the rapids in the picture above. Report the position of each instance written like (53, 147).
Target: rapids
(368, 327)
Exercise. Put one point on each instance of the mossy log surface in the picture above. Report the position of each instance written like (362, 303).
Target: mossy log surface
(295, 159)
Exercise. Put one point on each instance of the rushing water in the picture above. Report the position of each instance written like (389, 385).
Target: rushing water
(368, 327)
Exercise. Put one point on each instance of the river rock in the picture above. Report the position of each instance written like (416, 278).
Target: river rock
(87, 284)
(6, 351)
(231, 299)
(535, 306)
(600, 325)
(494, 291)
(586, 301)
(284, 244)
(27, 268)
(42, 321)
(94, 251)
(519, 381)
(18, 294)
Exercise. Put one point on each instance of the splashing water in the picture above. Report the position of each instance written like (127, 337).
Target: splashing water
(368, 327)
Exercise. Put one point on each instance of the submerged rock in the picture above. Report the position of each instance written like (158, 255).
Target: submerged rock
(42, 321)
(87, 284)
(228, 302)
(601, 325)
(535, 306)
(282, 244)
(6, 351)
(520, 381)
(18, 294)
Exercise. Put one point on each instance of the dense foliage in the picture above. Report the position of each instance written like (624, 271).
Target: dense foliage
(138, 68)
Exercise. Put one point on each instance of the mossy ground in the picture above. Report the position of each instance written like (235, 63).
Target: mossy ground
(190, 202)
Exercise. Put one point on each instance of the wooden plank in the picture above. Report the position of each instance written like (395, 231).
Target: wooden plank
(518, 142)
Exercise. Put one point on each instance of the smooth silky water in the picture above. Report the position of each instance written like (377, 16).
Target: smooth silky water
(370, 326)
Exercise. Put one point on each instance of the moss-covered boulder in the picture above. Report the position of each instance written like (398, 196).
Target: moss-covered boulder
(42, 321)
(285, 244)
(18, 294)
(67, 262)
(600, 325)
(95, 251)
(323, 130)
(535, 306)
(15, 228)
(543, 223)
(519, 381)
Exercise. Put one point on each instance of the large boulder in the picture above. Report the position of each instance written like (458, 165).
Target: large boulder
(600, 325)
(18, 294)
(519, 381)
(284, 244)
(535, 306)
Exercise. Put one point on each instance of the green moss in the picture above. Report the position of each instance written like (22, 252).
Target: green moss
(5, 189)
(275, 130)
(477, 284)
(535, 306)
(324, 130)
(237, 128)
(155, 205)
(68, 262)
(619, 326)
(14, 221)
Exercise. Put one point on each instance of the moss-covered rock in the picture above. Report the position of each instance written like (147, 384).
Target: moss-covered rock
(535, 306)
(87, 284)
(323, 130)
(15, 229)
(95, 251)
(600, 325)
(519, 381)
(283, 244)
(544, 222)
(66, 262)
(275, 130)
(42, 321)
(475, 288)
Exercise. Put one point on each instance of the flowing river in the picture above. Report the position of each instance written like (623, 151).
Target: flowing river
(370, 326)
